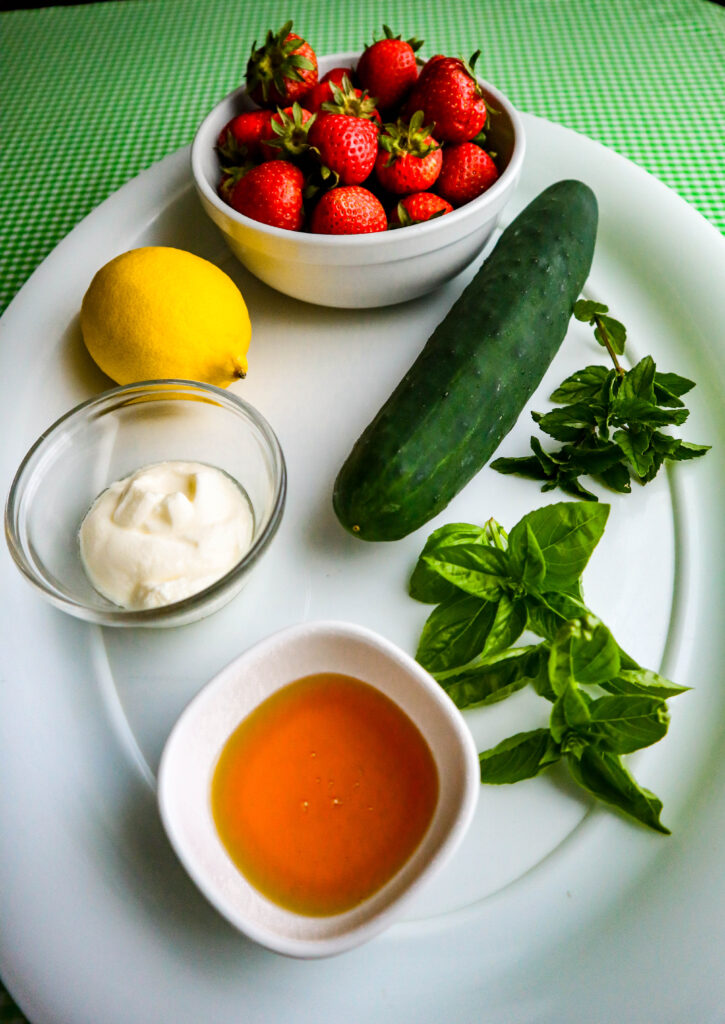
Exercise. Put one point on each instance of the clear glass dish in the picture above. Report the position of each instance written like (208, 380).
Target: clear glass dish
(111, 436)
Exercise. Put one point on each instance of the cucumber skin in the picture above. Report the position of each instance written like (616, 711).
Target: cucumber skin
(475, 374)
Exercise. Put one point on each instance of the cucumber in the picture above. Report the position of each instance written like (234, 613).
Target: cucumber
(476, 372)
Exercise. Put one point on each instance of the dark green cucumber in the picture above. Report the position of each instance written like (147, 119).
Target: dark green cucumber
(476, 372)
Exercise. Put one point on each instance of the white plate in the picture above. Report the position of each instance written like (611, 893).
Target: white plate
(551, 910)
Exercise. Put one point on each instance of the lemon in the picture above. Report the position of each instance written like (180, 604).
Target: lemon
(161, 312)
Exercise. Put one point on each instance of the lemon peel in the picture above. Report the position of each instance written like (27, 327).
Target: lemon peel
(158, 312)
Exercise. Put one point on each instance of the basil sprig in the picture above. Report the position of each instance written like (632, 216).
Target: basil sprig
(611, 420)
(490, 588)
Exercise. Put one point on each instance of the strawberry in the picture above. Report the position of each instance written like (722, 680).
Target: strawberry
(285, 135)
(388, 69)
(348, 210)
(449, 95)
(347, 146)
(240, 137)
(230, 178)
(409, 158)
(418, 207)
(336, 75)
(282, 69)
(317, 95)
(467, 172)
(272, 194)
(346, 99)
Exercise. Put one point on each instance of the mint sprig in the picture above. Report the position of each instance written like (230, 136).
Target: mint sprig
(489, 588)
(611, 421)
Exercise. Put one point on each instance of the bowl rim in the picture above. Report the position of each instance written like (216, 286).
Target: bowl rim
(389, 238)
(175, 609)
(458, 738)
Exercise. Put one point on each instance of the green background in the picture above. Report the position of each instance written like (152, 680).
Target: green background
(93, 94)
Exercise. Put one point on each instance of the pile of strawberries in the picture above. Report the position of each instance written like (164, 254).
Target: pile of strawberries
(383, 145)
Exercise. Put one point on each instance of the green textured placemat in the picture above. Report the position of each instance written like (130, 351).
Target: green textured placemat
(94, 94)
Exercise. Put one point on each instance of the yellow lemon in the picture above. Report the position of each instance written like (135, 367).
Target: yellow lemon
(162, 312)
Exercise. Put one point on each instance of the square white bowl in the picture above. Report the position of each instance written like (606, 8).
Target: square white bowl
(196, 741)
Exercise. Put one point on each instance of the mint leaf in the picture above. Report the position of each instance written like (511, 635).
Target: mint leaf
(685, 450)
(585, 310)
(637, 403)
(572, 423)
(632, 411)
(584, 386)
(526, 465)
(617, 477)
(519, 757)
(610, 330)
(669, 388)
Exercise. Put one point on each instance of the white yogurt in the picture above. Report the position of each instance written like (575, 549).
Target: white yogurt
(164, 533)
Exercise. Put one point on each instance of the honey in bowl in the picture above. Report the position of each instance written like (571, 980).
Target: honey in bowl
(323, 793)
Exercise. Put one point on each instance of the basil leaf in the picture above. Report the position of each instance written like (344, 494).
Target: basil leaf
(495, 535)
(455, 632)
(566, 533)
(493, 681)
(473, 568)
(642, 680)
(594, 651)
(428, 586)
(583, 651)
(622, 724)
(526, 558)
(604, 775)
(570, 713)
(508, 625)
(560, 666)
(519, 757)
(547, 613)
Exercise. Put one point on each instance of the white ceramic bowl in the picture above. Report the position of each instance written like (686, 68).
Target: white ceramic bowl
(357, 271)
(109, 437)
(194, 745)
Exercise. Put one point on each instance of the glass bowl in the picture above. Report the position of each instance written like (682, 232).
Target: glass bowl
(108, 438)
